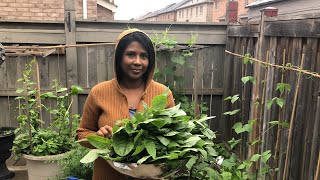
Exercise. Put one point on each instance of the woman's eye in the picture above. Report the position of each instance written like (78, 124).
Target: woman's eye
(144, 56)
(130, 54)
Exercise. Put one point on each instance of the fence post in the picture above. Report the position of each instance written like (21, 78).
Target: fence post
(71, 53)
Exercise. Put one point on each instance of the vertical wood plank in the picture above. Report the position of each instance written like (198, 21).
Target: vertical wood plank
(82, 66)
(92, 66)
(110, 61)
(102, 68)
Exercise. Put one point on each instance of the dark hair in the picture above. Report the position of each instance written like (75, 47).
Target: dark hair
(146, 43)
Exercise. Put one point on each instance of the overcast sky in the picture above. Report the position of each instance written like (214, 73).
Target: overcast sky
(128, 9)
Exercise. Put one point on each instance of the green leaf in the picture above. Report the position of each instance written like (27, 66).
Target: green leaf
(138, 150)
(255, 142)
(266, 156)
(191, 141)
(122, 144)
(159, 102)
(238, 127)
(230, 113)
(138, 136)
(178, 60)
(226, 175)
(280, 87)
(163, 140)
(255, 157)
(171, 133)
(151, 148)
(245, 79)
(140, 161)
(211, 151)
(233, 142)
(207, 132)
(232, 98)
(191, 162)
(280, 102)
(19, 90)
(90, 157)
(213, 174)
(76, 90)
(269, 103)
(98, 141)
(246, 59)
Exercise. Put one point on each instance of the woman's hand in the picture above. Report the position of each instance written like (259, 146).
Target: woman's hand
(105, 131)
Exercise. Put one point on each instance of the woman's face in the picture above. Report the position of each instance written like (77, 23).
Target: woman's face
(134, 61)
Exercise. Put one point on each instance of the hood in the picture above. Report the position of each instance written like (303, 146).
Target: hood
(152, 67)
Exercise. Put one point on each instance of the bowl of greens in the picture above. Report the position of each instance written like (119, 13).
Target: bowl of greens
(147, 171)
(154, 143)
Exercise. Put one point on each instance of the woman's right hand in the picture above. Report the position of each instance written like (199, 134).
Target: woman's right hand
(105, 131)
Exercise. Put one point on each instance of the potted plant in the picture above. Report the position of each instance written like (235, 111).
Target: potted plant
(41, 143)
(6, 141)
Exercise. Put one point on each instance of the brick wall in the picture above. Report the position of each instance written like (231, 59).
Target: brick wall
(221, 11)
(242, 6)
(31, 9)
(104, 14)
(169, 17)
(91, 9)
(51, 10)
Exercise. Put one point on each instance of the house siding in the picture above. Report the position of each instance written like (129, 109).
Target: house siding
(289, 7)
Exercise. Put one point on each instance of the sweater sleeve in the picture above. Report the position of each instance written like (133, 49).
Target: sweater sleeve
(89, 120)
(170, 102)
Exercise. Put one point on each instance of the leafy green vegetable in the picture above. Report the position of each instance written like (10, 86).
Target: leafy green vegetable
(156, 135)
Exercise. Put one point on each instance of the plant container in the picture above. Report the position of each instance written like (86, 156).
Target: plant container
(43, 167)
(6, 142)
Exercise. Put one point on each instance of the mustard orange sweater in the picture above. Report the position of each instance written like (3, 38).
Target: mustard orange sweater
(105, 105)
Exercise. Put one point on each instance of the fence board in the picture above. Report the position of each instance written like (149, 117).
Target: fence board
(102, 68)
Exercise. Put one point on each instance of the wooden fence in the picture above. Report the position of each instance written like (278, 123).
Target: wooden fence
(94, 64)
(279, 41)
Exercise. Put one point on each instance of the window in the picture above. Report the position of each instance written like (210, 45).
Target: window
(187, 15)
(182, 13)
(168, 16)
(179, 14)
(197, 9)
(191, 12)
(216, 5)
(201, 10)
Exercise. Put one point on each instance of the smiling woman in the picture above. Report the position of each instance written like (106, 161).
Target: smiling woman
(122, 96)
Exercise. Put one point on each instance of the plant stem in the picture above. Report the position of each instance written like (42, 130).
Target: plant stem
(28, 115)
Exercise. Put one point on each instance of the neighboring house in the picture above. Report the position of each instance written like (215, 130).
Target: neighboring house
(54, 9)
(285, 7)
(168, 13)
(195, 11)
(219, 9)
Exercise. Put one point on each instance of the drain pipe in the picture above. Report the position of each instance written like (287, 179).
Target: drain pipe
(85, 9)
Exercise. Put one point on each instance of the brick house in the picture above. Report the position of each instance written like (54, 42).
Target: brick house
(195, 11)
(219, 9)
(168, 13)
(54, 9)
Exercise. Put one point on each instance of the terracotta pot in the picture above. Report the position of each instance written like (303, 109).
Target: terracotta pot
(41, 167)
(6, 142)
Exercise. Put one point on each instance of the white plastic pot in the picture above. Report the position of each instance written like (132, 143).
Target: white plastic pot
(41, 167)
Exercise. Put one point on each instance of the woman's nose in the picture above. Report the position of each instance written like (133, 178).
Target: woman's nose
(137, 60)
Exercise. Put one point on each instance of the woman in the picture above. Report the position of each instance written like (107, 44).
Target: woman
(122, 96)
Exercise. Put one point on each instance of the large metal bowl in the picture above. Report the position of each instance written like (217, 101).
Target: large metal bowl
(148, 171)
